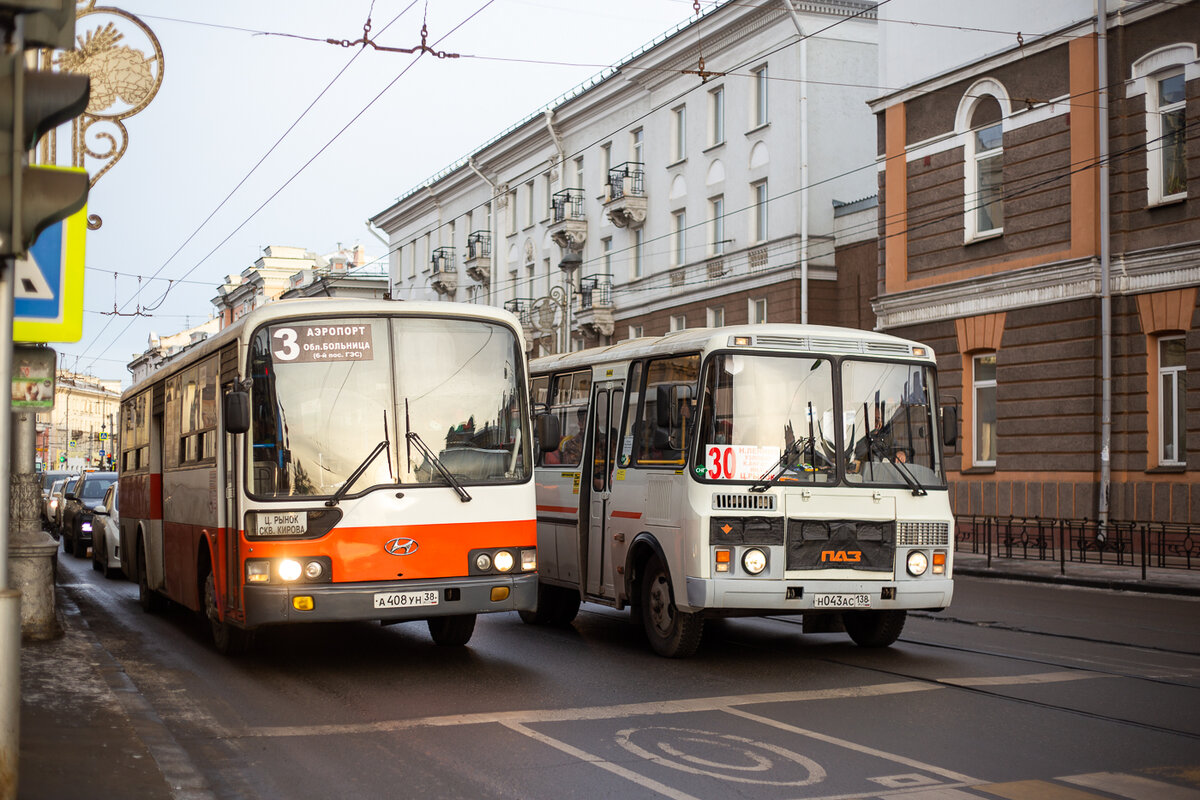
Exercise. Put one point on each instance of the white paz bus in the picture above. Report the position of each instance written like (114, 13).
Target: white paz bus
(740, 471)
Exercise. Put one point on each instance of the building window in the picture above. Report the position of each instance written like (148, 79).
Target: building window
(639, 252)
(606, 246)
(678, 322)
(679, 238)
(605, 160)
(512, 212)
(980, 123)
(579, 173)
(716, 226)
(983, 404)
(716, 116)
(1165, 138)
(678, 134)
(635, 331)
(758, 105)
(758, 216)
(758, 310)
(529, 195)
(1172, 402)
(637, 143)
(716, 317)
(548, 199)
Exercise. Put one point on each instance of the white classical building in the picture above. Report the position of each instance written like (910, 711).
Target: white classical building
(693, 184)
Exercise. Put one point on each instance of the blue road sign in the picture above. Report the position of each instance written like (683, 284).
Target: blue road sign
(48, 293)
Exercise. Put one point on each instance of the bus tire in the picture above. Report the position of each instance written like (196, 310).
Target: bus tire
(150, 600)
(874, 628)
(453, 631)
(566, 607)
(672, 633)
(228, 639)
(546, 595)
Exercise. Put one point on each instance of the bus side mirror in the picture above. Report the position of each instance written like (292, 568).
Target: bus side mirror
(237, 412)
(547, 431)
(949, 425)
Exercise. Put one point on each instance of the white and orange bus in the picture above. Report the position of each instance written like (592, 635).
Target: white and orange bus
(330, 459)
(752, 470)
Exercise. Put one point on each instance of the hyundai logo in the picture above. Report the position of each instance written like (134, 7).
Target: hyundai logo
(401, 546)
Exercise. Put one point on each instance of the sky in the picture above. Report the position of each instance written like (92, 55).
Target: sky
(276, 137)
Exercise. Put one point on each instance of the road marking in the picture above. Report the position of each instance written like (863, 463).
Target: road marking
(1133, 787)
(616, 769)
(750, 751)
(660, 707)
(957, 777)
(1025, 680)
(1036, 790)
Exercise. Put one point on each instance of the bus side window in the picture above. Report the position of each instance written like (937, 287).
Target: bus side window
(630, 441)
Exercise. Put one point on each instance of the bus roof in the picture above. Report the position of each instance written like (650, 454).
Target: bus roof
(776, 337)
(323, 307)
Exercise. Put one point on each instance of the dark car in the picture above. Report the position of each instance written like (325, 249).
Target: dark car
(48, 479)
(85, 494)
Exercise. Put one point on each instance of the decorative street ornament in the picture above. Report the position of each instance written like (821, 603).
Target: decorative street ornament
(111, 50)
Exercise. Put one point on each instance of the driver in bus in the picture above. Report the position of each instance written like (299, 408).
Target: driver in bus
(879, 444)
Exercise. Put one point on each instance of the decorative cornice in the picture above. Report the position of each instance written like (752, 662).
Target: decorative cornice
(1155, 270)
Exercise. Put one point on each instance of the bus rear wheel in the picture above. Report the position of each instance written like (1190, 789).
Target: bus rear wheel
(452, 631)
(229, 640)
(672, 633)
(874, 628)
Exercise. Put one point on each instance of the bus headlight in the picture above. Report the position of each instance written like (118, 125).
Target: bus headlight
(918, 562)
(483, 562)
(289, 569)
(754, 561)
(258, 571)
(503, 561)
(313, 570)
(529, 559)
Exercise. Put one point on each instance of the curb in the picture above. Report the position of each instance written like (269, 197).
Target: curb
(1112, 584)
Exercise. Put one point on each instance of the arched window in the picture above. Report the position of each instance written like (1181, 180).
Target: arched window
(1161, 77)
(980, 125)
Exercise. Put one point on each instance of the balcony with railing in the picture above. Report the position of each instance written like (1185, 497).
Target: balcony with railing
(479, 256)
(523, 309)
(444, 278)
(625, 195)
(595, 314)
(568, 222)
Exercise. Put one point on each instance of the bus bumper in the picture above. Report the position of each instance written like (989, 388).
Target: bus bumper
(788, 596)
(342, 602)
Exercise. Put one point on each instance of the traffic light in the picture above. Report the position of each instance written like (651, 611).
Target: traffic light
(31, 104)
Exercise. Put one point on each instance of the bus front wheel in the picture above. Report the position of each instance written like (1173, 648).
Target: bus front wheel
(874, 628)
(672, 633)
(452, 631)
(228, 640)
(555, 606)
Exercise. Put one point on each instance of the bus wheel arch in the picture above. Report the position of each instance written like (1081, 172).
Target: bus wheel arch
(671, 632)
(228, 639)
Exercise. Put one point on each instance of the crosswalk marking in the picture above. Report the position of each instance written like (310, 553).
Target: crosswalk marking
(1036, 790)
(1133, 787)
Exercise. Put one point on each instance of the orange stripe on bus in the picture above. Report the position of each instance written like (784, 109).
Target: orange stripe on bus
(559, 509)
(627, 514)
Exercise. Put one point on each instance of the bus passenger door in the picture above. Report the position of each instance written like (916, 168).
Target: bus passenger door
(597, 472)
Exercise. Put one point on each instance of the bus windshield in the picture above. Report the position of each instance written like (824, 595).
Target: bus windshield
(768, 418)
(328, 392)
(888, 428)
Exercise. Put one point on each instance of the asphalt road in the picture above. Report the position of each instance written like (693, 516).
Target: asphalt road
(1018, 691)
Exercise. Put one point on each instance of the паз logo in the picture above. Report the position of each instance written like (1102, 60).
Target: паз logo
(401, 546)
(842, 555)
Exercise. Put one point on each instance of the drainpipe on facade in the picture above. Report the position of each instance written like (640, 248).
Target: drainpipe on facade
(803, 160)
(1105, 269)
(491, 223)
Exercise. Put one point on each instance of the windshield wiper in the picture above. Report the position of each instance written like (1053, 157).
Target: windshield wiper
(768, 478)
(354, 476)
(877, 447)
(415, 438)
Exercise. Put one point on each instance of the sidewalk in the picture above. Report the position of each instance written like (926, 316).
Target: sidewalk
(80, 721)
(1097, 576)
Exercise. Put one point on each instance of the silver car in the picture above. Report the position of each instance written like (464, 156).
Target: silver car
(106, 535)
(54, 503)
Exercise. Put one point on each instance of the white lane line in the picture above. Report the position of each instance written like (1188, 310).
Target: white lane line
(686, 706)
(957, 777)
(616, 769)
(1133, 786)
(593, 713)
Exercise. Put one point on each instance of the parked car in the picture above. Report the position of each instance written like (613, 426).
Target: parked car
(85, 494)
(106, 535)
(48, 479)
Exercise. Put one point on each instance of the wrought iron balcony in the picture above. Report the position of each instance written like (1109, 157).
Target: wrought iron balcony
(568, 222)
(625, 195)
(445, 274)
(479, 255)
(524, 309)
(595, 313)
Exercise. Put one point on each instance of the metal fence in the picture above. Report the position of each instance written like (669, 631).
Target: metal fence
(1163, 545)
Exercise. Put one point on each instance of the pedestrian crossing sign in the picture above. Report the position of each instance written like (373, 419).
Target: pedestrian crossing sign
(48, 284)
